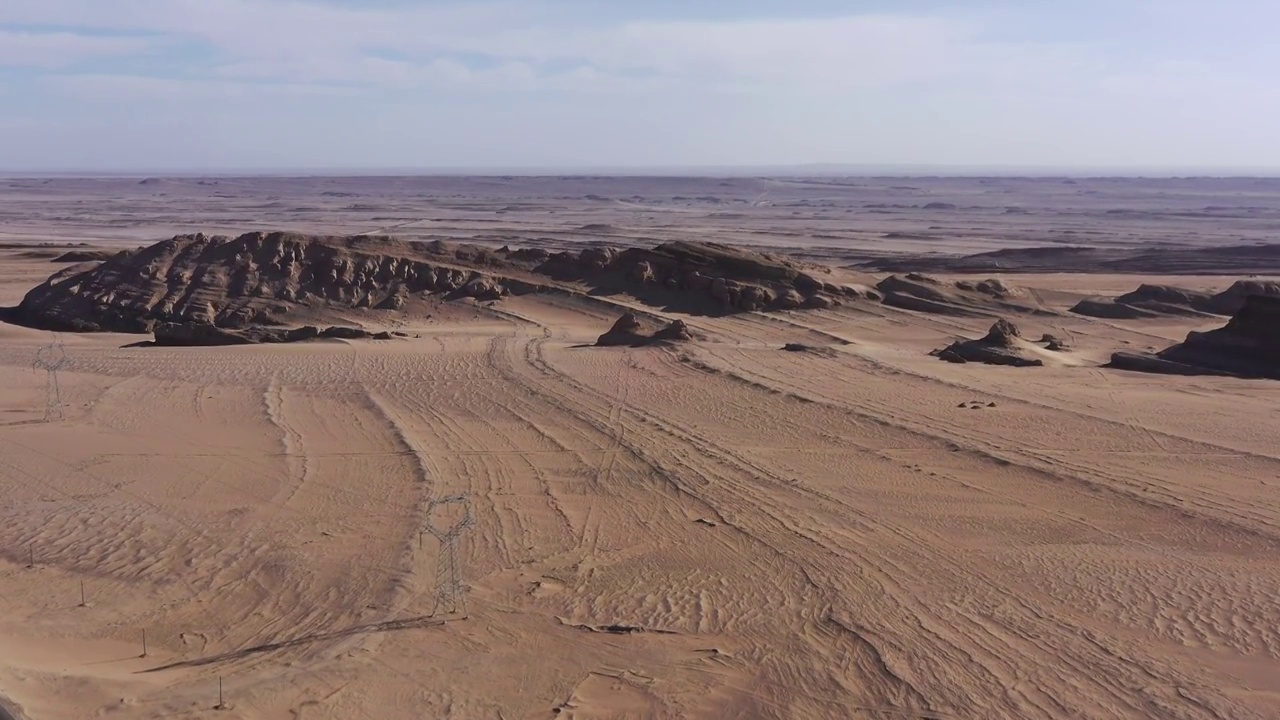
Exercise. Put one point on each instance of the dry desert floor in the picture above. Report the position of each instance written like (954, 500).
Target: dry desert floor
(712, 530)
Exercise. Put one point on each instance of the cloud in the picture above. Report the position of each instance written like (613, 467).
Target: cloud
(510, 46)
(122, 88)
(269, 28)
(545, 81)
(52, 50)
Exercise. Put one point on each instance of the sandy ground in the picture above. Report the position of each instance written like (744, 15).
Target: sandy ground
(716, 530)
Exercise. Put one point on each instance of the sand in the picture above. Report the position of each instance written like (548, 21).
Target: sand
(709, 529)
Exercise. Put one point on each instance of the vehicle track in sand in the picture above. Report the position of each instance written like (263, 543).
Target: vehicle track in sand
(1091, 652)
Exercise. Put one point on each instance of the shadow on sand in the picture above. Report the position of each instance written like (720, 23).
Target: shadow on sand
(386, 626)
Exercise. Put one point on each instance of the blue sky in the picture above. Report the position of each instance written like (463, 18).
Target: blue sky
(251, 84)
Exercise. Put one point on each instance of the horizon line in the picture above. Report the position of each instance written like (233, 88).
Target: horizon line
(687, 171)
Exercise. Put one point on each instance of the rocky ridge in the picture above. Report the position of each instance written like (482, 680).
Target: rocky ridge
(1247, 346)
(923, 293)
(1149, 301)
(262, 279)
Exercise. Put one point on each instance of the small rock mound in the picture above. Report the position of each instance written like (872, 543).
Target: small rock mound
(677, 331)
(629, 331)
(1248, 346)
(1002, 345)
(1053, 342)
(811, 349)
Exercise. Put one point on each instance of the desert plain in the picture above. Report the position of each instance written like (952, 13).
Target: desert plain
(707, 528)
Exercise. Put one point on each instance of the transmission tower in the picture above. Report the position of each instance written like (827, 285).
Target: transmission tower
(51, 358)
(450, 593)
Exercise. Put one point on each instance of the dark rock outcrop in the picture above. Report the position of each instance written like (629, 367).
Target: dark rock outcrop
(196, 334)
(700, 277)
(922, 293)
(1147, 301)
(810, 349)
(631, 332)
(1156, 259)
(1150, 301)
(1054, 343)
(254, 279)
(1230, 301)
(205, 335)
(1002, 345)
(261, 278)
(1247, 346)
(675, 331)
(627, 330)
(341, 332)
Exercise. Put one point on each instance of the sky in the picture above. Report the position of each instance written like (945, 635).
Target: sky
(181, 85)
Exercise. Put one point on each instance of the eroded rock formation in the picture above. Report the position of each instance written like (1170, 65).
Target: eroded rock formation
(1002, 345)
(1150, 301)
(263, 279)
(630, 331)
(923, 293)
(1247, 346)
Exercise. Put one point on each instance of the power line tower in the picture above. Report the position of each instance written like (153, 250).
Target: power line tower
(51, 358)
(456, 511)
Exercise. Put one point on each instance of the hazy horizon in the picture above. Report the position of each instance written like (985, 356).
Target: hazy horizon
(164, 86)
(677, 171)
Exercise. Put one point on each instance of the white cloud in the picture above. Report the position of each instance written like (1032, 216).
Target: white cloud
(307, 42)
(117, 89)
(52, 50)
(541, 82)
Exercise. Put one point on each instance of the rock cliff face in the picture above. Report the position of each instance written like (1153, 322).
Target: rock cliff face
(1232, 300)
(1248, 346)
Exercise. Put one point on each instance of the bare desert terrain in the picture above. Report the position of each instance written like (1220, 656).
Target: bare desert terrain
(711, 527)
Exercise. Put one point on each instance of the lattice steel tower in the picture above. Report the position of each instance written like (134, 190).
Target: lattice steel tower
(450, 593)
(51, 358)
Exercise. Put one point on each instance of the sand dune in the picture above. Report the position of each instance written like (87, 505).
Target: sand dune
(715, 528)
